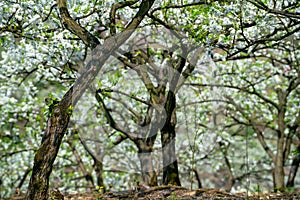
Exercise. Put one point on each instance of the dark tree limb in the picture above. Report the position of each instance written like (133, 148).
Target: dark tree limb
(48, 15)
(284, 13)
(240, 88)
(111, 121)
(87, 38)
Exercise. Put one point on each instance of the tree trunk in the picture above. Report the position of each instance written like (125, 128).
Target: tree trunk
(279, 161)
(58, 123)
(170, 165)
(99, 171)
(294, 168)
(231, 179)
(145, 148)
(279, 168)
(46, 154)
(197, 178)
(148, 173)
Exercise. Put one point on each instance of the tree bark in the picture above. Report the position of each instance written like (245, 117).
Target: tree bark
(279, 167)
(99, 171)
(46, 154)
(145, 143)
(294, 168)
(148, 173)
(58, 123)
(145, 147)
(296, 160)
(279, 161)
(168, 135)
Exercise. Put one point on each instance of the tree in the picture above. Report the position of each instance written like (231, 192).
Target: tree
(57, 124)
(156, 75)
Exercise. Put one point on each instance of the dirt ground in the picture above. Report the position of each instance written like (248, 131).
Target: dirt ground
(168, 192)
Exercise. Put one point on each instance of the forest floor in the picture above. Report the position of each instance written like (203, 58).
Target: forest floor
(169, 192)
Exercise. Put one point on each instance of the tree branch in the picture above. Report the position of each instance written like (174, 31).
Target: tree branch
(86, 174)
(110, 119)
(87, 38)
(243, 89)
(262, 6)
(255, 127)
(113, 11)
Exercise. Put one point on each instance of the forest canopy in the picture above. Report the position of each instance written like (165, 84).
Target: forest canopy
(116, 95)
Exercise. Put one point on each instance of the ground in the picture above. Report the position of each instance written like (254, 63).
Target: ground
(169, 192)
